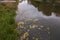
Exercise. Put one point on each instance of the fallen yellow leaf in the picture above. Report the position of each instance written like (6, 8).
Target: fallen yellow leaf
(35, 20)
(33, 26)
(21, 23)
(41, 26)
(24, 35)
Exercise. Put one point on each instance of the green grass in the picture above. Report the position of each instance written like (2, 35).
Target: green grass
(7, 24)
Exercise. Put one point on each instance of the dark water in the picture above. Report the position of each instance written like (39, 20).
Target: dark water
(48, 16)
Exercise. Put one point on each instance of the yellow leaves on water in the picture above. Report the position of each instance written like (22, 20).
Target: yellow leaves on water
(39, 28)
(21, 26)
(35, 20)
(33, 26)
(21, 23)
(42, 26)
(24, 35)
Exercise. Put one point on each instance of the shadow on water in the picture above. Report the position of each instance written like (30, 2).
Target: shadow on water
(48, 15)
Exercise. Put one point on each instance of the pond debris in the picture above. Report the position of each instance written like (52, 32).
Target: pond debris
(39, 28)
(42, 26)
(33, 26)
(35, 20)
(48, 28)
(22, 26)
(21, 23)
(24, 36)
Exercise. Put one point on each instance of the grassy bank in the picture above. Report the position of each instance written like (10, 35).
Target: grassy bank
(7, 24)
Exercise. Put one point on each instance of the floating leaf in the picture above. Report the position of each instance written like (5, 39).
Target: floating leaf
(33, 26)
(41, 26)
(24, 35)
(21, 23)
(35, 20)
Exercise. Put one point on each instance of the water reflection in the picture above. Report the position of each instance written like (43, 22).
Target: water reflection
(40, 21)
(47, 8)
(36, 10)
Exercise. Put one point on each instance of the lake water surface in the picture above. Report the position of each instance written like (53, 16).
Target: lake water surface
(41, 20)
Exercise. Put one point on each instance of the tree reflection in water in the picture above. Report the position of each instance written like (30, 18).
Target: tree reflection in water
(47, 8)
